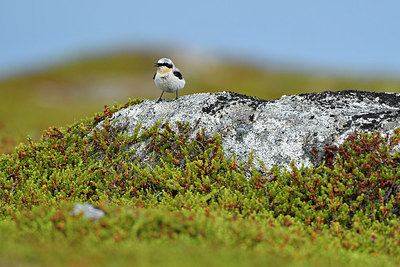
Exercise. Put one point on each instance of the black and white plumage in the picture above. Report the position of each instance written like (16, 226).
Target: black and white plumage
(167, 77)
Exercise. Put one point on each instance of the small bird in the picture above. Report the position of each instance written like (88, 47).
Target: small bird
(167, 77)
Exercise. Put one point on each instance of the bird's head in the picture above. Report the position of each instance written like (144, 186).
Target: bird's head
(164, 65)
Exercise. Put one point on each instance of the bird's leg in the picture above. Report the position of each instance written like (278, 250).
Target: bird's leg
(160, 97)
(176, 95)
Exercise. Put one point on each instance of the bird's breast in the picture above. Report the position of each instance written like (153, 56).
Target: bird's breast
(164, 71)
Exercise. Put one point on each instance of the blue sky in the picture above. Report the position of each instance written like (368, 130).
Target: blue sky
(346, 36)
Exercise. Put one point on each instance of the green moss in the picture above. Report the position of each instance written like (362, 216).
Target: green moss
(189, 192)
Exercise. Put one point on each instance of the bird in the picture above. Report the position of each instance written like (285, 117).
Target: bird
(167, 77)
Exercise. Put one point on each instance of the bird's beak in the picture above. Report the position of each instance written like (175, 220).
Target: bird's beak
(156, 64)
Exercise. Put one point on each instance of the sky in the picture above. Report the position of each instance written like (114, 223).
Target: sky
(345, 36)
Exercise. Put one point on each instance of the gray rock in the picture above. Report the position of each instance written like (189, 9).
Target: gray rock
(277, 131)
(88, 211)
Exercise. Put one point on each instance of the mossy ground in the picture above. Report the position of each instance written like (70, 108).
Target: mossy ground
(192, 205)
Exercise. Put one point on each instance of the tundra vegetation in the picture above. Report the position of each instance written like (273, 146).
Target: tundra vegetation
(193, 205)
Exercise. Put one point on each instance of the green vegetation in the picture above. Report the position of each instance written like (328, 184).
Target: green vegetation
(66, 93)
(193, 206)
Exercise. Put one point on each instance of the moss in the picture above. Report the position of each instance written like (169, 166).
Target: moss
(190, 191)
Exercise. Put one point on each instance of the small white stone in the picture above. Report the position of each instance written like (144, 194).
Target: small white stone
(88, 211)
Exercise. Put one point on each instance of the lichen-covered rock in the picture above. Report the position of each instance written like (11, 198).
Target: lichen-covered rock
(296, 127)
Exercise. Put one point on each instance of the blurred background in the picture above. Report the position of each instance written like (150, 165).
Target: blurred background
(61, 61)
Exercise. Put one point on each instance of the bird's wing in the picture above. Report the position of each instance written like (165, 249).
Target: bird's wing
(178, 74)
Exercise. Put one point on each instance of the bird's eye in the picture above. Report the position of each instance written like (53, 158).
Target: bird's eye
(168, 65)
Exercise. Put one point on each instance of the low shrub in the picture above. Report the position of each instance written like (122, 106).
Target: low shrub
(189, 189)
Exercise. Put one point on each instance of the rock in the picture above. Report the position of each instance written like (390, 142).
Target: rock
(277, 131)
(88, 211)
